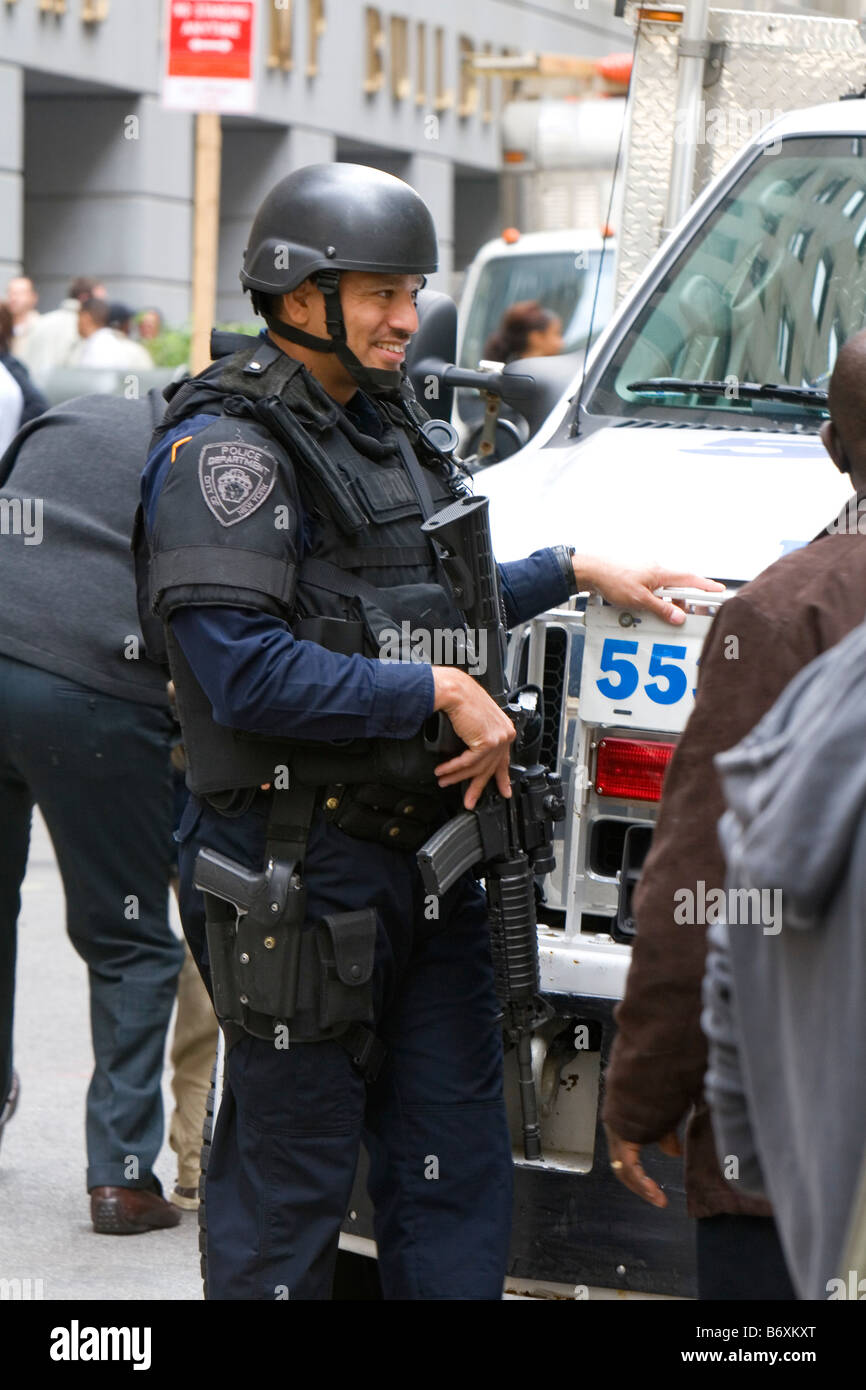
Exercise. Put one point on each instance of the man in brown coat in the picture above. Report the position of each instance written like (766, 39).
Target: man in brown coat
(797, 608)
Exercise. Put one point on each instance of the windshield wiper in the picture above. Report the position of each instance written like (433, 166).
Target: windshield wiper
(740, 391)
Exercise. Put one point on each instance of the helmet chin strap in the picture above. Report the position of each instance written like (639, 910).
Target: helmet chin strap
(375, 380)
(297, 335)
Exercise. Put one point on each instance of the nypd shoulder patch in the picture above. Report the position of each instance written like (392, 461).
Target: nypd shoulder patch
(236, 478)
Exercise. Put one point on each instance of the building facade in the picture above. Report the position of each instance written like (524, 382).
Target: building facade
(97, 177)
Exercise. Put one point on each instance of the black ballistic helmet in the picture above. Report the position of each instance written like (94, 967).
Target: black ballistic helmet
(327, 218)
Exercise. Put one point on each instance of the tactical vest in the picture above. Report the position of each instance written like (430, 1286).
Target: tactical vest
(369, 571)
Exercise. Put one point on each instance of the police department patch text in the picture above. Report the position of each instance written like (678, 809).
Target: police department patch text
(236, 478)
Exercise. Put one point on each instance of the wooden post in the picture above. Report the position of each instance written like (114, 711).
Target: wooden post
(206, 213)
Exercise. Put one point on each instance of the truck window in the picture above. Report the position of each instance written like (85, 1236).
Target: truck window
(562, 281)
(767, 290)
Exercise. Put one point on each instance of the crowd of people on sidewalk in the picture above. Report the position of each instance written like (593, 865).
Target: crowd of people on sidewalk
(87, 330)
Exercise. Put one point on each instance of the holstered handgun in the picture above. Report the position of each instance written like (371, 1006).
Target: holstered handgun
(254, 951)
(269, 967)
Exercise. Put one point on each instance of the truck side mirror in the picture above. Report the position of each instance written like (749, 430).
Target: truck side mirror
(532, 386)
(433, 348)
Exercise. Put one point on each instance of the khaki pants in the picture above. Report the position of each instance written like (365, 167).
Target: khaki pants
(192, 1056)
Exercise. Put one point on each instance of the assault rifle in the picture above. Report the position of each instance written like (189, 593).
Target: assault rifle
(507, 841)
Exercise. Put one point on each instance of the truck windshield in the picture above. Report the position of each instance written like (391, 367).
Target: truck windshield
(562, 281)
(767, 290)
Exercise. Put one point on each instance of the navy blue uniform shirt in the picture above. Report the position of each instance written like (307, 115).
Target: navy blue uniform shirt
(260, 678)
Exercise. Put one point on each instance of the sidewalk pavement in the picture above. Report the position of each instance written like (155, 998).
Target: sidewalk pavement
(45, 1230)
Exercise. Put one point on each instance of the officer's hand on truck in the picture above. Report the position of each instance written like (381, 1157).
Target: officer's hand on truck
(634, 588)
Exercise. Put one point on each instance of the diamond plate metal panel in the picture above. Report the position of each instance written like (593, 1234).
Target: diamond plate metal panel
(772, 64)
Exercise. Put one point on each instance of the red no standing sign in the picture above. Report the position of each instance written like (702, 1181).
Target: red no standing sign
(209, 55)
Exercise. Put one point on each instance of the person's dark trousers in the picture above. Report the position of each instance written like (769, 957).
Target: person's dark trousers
(740, 1257)
(291, 1122)
(98, 768)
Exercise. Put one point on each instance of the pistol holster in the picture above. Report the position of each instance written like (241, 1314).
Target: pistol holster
(271, 968)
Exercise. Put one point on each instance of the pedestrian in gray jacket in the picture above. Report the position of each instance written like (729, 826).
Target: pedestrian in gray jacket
(784, 991)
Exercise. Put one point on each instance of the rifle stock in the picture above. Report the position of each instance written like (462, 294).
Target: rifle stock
(462, 535)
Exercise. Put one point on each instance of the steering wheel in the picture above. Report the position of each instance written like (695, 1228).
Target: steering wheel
(742, 295)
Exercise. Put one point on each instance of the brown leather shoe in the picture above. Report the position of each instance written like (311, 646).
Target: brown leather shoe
(129, 1211)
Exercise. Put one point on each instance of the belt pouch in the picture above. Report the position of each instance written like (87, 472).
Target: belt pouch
(346, 946)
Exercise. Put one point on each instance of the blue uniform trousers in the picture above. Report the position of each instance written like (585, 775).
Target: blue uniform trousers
(289, 1129)
(98, 768)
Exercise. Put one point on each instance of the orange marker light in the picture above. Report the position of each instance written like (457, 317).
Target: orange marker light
(661, 16)
(510, 235)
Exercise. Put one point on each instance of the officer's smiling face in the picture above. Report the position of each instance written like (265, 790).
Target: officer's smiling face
(380, 317)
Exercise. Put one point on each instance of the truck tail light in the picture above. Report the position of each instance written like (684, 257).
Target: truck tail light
(632, 769)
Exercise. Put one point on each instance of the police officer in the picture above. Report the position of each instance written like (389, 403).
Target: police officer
(282, 503)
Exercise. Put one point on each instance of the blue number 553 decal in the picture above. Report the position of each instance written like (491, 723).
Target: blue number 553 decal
(662, 664)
